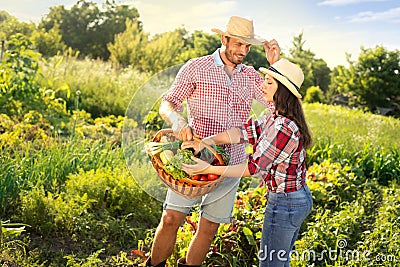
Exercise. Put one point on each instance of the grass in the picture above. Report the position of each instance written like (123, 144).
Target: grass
(352, 128)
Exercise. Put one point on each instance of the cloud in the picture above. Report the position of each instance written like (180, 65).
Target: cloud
(158, 17)
(391, 15)
(345, 2)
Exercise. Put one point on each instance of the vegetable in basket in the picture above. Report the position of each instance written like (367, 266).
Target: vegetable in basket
(166, 156)
(154, 148)
(174, 166)
(173, 162)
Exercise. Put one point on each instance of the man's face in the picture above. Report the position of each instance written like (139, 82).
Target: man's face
(236, 50)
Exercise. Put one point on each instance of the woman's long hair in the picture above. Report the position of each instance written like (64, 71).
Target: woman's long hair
(288, 105)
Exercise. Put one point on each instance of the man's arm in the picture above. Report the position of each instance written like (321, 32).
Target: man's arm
(272, 51)
(176, 121)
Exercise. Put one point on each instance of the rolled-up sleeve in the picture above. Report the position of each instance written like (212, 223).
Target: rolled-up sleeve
(182, 87)
(251, 131)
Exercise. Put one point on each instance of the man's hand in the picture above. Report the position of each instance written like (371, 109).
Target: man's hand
(182, 130)
(272, 51)
(179, 125)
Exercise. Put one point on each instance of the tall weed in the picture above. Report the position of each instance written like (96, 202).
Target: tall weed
(48, 165)
(103, 89)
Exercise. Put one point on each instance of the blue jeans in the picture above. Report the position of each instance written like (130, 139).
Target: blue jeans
(282, 220)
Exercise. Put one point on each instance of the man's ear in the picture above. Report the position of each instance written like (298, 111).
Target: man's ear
(224, 40)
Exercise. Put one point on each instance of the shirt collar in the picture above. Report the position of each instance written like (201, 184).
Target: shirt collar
(218, 61)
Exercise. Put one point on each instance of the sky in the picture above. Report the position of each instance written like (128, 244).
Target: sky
(331, 28)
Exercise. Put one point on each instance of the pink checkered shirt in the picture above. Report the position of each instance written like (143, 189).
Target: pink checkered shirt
(215, 102)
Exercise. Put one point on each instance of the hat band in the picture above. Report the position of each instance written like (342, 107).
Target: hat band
(250, 36)
(276, 71)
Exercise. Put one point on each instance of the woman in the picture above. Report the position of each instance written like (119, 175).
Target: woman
(280, 139)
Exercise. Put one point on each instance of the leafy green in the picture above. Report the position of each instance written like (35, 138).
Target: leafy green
(207, 155)
(175, 165)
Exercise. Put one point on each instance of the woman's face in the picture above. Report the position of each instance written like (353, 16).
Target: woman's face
(269, 87)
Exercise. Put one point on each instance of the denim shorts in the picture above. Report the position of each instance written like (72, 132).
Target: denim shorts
(283, 217)
(215, 206)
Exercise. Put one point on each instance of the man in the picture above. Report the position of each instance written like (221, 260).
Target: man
(219, 90)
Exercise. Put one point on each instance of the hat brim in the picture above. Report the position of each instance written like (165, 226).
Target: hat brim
(283, 80)
(257, 40)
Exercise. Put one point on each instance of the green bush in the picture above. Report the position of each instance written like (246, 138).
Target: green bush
(382, 243)
(110, 191)
(21, 91)
(98, 209)
(333, 184)
(372, 162)
(314, 94)
(346, 208)
(114, 190)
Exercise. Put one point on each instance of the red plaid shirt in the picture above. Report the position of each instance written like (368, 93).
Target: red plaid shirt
(216, 102)
(279, 156)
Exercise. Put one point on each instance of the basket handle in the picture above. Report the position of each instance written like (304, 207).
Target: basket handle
(158, 135)
(211, 149)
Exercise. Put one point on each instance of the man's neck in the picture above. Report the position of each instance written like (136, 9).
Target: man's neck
(225, 59)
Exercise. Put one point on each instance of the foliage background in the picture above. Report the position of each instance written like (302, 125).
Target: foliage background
(68, 198)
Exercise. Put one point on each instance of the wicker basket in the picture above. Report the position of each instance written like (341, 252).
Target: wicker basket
(184, 186)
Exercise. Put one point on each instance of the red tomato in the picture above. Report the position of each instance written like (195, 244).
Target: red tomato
(212, 177)
(204, 177)
(196, 177)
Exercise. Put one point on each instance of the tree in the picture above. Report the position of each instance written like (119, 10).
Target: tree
(4, 15)
(321, 74)
(256, 57)
(10, 25)
(87, 28)
(316, 71)
(339, 86)
(162, 51)
(199, 44)
(48, 43)
(304, 58)
(129, 46)
(376, 77)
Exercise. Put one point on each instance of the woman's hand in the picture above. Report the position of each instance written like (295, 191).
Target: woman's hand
(272, 51)
(197, 146)
(201, 167)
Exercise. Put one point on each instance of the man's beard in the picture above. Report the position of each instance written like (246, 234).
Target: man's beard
(231, 59)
